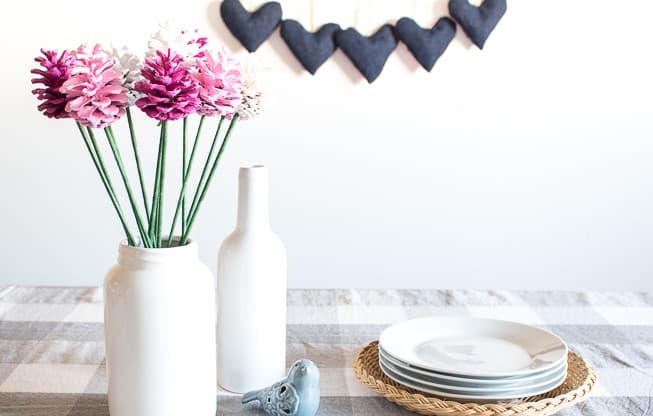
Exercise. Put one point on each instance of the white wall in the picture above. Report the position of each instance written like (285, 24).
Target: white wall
(526, 165)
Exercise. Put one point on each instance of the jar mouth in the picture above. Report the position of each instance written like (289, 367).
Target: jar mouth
(253, 170)
(157, 255)
(175, 244)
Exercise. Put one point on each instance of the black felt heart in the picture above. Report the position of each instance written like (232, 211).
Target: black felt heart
(368, 53)
(478, 22)
(427, 45)
(251, 29)
(312, 49)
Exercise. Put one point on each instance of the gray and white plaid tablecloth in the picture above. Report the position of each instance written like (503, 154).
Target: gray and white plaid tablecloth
(52, 349)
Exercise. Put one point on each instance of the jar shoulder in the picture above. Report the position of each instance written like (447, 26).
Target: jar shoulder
(247, 241)
(121, 275)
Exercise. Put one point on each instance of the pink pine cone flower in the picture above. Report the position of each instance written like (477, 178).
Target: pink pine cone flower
(220, 84)
(95, 95)
(169, 89)
(56, 71)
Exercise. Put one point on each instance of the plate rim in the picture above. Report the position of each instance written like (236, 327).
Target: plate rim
(522, 372)
(467, 379)
(474, 390)
(472, 396)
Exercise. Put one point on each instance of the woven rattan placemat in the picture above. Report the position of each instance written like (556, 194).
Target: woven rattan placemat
(577, 386)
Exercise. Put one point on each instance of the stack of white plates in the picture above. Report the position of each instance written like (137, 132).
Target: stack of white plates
(473, 358)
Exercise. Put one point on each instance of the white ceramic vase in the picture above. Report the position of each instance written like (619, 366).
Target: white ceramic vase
(159, 317)
(252, 283)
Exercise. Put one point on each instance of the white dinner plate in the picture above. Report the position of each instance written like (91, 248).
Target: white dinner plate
(473, 347)
(428, 375)
(472, 387)
(499, 395)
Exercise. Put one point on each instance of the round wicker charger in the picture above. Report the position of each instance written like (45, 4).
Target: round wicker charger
(577, 386)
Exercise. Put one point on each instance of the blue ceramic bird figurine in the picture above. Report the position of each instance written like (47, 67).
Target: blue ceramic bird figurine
(296, 395)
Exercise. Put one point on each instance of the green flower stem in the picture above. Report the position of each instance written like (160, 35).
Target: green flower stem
(152, 233)
(155, 193)
(182, 193)
(205, 170)
(193, 212)
(99, 166)
(164, 135)
(183, 179)
(132, 133)
(187, 173)
(123, 173)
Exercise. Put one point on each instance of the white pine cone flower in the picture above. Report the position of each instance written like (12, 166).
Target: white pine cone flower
(130, 65)
(187, 43)
(255, 74)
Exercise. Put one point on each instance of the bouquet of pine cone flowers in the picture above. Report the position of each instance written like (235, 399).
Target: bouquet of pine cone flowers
(180, 75)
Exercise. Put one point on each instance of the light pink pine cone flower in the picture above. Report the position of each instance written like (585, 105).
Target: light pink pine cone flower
(220, 84)
(170, 92)
(54, 71)
(94, 92)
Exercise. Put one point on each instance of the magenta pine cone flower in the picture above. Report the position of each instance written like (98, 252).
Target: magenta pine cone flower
(56, 71)
(169, 89)
(220, 82)
(95, 95)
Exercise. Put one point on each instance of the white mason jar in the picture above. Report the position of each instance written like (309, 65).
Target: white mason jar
(159, 318)
(252, 283)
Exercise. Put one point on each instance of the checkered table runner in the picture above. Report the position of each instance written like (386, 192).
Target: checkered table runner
(52, 350)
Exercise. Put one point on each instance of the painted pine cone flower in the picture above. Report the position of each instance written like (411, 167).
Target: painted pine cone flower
(253, 97)
(129, 65)
(169, 90)
(187, 43)
(54, 71)
(220, 84)
(96, 97)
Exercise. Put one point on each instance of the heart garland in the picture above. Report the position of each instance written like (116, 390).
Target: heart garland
(312, 49)
(478, 22)
(368, 53)
(251, 29)
(426, 45)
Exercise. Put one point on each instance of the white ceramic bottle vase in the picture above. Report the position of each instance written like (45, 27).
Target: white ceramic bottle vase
(159, 317)
(252, 283)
